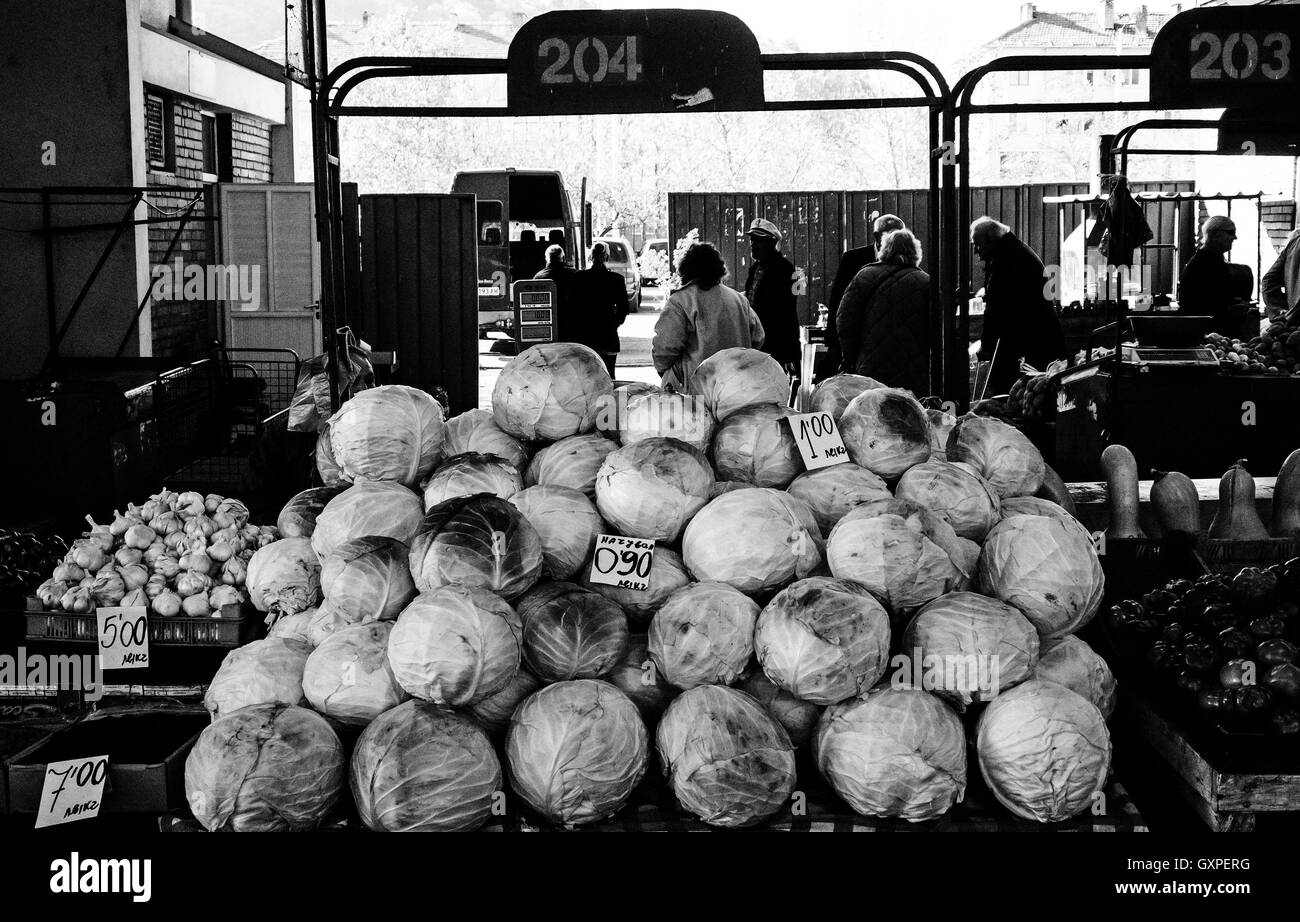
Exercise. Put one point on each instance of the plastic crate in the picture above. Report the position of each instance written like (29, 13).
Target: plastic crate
(178, 631)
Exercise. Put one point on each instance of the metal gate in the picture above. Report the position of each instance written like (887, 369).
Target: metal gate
(419, 290)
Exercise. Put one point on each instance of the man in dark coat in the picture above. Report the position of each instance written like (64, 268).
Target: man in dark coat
(1209, 284)
(597, 307)
(884, 318)
(1020, 323)
(852, 262)
(769, 287)
(561, 273)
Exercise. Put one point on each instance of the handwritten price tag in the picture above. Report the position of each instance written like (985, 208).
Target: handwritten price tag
(123, 637)
(623, 562)
(73, 790)
(819, 440)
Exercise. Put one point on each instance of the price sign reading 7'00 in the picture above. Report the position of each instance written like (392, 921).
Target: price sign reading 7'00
(605, 59)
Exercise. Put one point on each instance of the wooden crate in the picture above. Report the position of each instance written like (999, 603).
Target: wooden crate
(1225, 796)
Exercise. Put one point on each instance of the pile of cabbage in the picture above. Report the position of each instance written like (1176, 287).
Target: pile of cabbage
(877, 611)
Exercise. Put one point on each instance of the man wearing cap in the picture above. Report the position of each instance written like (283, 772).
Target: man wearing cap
(851, 263)
(770, 290)
(1209, 284)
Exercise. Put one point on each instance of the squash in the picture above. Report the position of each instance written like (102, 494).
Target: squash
(1286, 498)
(1176, 503)
(1121, 470)
(1236, 519)
(1054, 489)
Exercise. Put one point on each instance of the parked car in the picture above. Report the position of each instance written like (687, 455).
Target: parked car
(654, 261)
(622, 261)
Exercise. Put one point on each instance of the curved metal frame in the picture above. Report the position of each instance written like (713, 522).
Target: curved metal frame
(328, 105)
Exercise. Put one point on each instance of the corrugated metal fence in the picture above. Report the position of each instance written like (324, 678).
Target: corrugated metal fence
(819, 226)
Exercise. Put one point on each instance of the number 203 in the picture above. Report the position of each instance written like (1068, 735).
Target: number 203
(570, 64)
(1218, 56)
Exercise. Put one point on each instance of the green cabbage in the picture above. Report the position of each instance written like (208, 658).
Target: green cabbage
(267, 671)
(835, 393)
(567, 523)
(653, 487)
(348, 677)
(956, 492)
(368, 579)
(737, 377)
(298, 517)
(999, 453)
(798, 717)
(684, 417)
(477, 431)
(284, 577)
(703, 635)
(1069, 661)
(551, 391)
(389, 434)
(366, 510)
(831, 492)
(886, 431)
(755, 540)
(476, 541)
(572, 462)
(667, 575)
(637, 677)
(468, 474)
(755, 445)
(493, 712)
(571, 632)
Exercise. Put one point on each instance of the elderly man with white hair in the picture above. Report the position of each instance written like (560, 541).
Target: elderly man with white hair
(1020, 323)
(1209, 284)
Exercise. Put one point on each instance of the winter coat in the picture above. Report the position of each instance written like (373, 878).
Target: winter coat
(769, 287)
(884, 326)
(695, 324)
(1019, 322)
(597, 307)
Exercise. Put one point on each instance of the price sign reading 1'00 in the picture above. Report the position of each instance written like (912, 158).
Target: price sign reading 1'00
(1240, 56)
(819, 440)
(593, 59)
(623, 562)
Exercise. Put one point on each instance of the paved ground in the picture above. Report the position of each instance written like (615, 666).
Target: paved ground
(633, 362)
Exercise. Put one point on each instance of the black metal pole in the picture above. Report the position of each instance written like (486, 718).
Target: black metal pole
(51, 301)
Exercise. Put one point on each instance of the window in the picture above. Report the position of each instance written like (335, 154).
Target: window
(1020, 78)
(209, 143)
(218, 150)
(1131, 77)
(489, 223)
(159, 132)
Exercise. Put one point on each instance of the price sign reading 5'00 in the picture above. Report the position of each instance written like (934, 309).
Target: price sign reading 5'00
(607, 59)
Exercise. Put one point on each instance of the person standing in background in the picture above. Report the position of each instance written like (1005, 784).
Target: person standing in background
(598, 304)
(701, 318)
(769, 288)
(561, 273)
(1209, 284)
(1020, 324)
(1280, 286)
(851, 263)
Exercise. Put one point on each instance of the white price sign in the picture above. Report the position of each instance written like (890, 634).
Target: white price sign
(72, 791)
(819, 440)
(123, 637)
(623, 562)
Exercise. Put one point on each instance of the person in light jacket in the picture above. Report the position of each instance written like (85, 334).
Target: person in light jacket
(701, 318)
(1281, 283)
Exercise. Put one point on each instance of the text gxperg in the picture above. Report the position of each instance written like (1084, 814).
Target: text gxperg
(1156, 865)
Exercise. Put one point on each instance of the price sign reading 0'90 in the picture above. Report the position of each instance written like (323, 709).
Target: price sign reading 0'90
(604, 59)
(623, 562)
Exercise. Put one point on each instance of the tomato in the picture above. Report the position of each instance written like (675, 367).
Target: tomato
(1237, 673)
(1284, 681)
(1275, 652)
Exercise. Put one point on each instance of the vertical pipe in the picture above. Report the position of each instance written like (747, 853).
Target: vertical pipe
(939, 343)
(51, 302)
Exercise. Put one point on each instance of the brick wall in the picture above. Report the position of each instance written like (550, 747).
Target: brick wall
(185, 329)
(1279, 219)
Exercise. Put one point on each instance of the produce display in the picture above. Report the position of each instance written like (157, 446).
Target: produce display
(25, 559)
(476, 649)
(187, 555)
(1275, 351)
(1226, 645)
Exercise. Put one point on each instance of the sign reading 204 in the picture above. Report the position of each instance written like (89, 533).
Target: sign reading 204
(605, 59)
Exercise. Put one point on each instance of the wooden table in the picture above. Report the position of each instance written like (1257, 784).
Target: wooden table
(1092, 509)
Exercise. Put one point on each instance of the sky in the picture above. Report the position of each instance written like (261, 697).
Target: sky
(943, 30)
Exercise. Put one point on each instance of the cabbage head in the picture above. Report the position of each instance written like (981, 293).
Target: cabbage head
(478, 541)
(284, 577)
(798, 717)
(653, 487)
(755, 445)
(493, 712)
(368, 579)
(734, 378)
(610, 420)
(385, 510)
(896, 752)
(576, 750)
(267, 671)
(1047, 569)
(971, 647)
(904, 553)
(941, 424)
(956, 492)
(326, 466)
(703, 635)
(667, 414)
(1036, 505)
(348, 677)
(831, 492)
(1000, 453)
(468, 474)
(667, 575)
(755, 540)
(455, 645)
(886, 431)
(294, 627)
(572, 462)
(823, 640)
(1044, 751)
(1069, 661)
(637, 677)
(298, 517)
(727, 759)
(422, 768)
(265, 768)
(567, 523)
(551, 391)
(835, 393)
(477, 431)
(325, 621)
(387, 434)
(571, 632)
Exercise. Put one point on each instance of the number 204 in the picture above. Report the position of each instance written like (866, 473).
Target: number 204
(569, 64)
(1219, 57)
